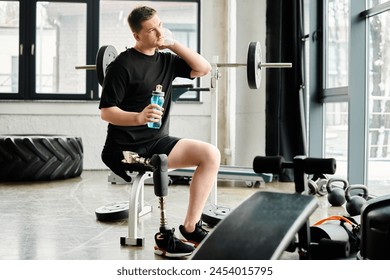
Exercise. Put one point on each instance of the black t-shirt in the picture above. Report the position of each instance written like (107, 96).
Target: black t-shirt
(128, 84)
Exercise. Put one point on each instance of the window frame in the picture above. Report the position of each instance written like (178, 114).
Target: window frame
(27, 72)
(355, 93)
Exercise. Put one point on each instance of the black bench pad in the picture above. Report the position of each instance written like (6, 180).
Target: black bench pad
(261, 228)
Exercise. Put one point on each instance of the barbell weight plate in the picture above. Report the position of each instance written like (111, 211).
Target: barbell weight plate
(321, 187)
(104, 57)
(112, 212)
(253, 69)
(213, 214)
(312, 187)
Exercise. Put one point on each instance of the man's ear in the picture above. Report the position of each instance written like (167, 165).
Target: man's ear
(136, 36)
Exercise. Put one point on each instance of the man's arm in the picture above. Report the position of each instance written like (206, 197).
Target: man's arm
(199, 65)
(117, 116)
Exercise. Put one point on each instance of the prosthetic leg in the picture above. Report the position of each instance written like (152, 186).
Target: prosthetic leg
(161, 182)
(158, 164)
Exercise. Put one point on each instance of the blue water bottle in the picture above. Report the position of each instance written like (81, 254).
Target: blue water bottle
(157, 98)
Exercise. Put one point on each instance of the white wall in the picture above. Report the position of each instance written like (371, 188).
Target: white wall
(66, 118)
(250, 136)
(246, 110)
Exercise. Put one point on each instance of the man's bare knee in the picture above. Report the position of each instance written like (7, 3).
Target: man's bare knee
(212, 156)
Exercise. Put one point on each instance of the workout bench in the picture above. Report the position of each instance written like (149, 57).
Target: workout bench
(266, 224)
(140, 169)
(225, 172)
(137, 207)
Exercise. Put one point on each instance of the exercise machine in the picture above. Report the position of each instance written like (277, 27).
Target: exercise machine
(267, 223)
(375, 229)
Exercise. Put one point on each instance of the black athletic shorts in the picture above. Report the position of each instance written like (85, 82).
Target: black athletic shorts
(113, 159)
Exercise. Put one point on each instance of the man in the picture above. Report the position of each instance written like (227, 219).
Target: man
(125, 105)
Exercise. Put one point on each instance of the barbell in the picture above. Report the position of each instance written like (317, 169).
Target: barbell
(104, 57)
(254, 65)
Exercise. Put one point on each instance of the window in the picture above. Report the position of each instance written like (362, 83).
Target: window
(9, 51)
(375, 3)
(61, 30)
(336, 41)
(335, 92)
(356, 91)
(378, 44)
(43, 41)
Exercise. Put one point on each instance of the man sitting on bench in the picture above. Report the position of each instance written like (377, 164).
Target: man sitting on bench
(125, 105)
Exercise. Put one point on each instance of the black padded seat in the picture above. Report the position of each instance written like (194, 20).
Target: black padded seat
(261, 228)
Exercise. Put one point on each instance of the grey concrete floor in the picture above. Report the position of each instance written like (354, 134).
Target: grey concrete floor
(56, 220)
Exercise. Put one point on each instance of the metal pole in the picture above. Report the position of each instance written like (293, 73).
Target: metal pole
(275, 65)
(261, 65)
(86, 67)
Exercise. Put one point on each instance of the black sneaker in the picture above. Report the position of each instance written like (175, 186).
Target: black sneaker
(168, 245)
(196, 236)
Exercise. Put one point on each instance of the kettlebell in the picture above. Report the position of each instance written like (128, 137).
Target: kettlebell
(336, 194)
(355, 202)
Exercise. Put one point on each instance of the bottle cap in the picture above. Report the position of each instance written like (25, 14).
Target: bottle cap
(159, 88)
(158, 91)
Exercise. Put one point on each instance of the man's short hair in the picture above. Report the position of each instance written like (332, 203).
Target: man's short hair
(138, 16)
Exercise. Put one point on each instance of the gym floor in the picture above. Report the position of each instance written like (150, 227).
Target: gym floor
(56, 220)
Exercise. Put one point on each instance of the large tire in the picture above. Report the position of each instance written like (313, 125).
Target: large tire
(40, 157)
